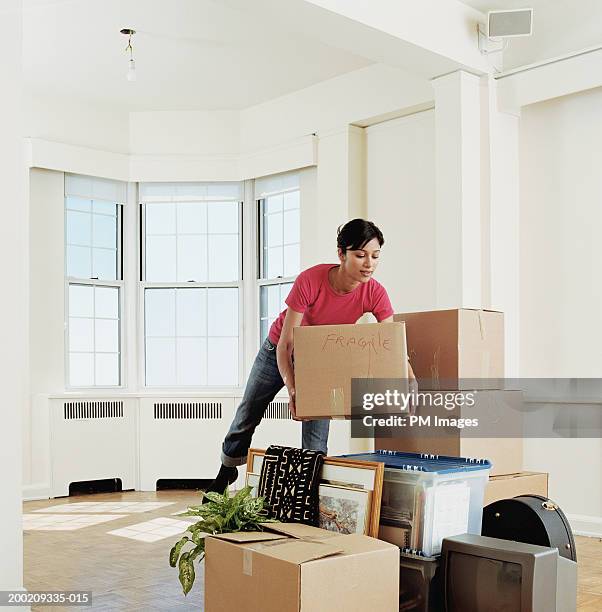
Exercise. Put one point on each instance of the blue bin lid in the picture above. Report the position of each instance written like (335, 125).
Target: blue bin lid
(423, 462)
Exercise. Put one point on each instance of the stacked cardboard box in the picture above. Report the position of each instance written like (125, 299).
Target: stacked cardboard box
(464, 348)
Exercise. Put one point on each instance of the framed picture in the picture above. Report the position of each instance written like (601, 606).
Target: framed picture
(343, 473)
(252, 480)
(344, 509)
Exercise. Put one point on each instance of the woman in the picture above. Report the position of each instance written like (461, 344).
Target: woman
(326, 294)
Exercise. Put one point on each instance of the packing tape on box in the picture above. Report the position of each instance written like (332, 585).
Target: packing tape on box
(247, 561)
(481, 326)
(337, 402)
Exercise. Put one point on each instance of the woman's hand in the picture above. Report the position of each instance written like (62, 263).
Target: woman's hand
(291, 402)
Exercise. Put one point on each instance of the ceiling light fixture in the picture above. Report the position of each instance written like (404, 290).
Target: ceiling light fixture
(131, 73)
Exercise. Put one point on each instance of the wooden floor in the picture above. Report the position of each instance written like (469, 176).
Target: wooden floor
(129, 575)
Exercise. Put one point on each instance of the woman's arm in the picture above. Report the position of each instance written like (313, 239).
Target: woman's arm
(284, 354)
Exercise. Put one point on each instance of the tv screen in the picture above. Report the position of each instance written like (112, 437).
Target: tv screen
(478, 583)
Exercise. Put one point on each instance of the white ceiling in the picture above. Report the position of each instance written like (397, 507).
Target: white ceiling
(559, 27)
(190, 54)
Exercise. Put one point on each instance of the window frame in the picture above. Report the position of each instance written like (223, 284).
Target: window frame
(262, 281)
(95, 282)
(143, 285)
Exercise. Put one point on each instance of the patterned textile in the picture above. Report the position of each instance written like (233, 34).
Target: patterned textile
(289, 483)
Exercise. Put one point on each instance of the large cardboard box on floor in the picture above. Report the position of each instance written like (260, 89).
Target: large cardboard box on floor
(297, 568)
(327, 357)
(454, 346)
(504, 453)
(513, 485)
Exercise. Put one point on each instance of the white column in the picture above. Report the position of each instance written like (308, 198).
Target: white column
(340, 193)
(458, 207)
(504, 223)
(14, 303)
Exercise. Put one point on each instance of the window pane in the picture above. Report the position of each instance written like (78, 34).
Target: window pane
(79, 262)
(107, 302)
(81, 369)
(223, 258)
(192, 258)
(273, 203)
(160, 362)
(223, 217)
(263, 330)
(273, 301)
(75, 203)
(285, 289)
(104, 207)
(291, 226)
(192, 361)
(223, 364)
(107, 369)
(273, 230)
(291, 200)
(79, 228)
(107, 335)
(104, 264)
(223, 312)
(160, 312)
(160, 218)
(81, 335)
(161, 258)
(291, 260)
(104, 232)
(191, 312)
(274, 262)
(81, 301)
(192, 218)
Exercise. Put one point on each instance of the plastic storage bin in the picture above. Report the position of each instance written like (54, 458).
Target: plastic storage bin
(430, 497)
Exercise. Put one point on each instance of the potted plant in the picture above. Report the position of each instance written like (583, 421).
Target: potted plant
(221, 514)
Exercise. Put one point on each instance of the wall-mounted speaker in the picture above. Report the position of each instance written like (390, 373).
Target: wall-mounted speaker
(510, 23)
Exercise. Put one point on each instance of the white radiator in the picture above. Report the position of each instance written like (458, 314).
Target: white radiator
(92, 439)
(181, 438)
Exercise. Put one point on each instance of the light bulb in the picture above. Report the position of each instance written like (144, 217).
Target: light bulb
(131, 74)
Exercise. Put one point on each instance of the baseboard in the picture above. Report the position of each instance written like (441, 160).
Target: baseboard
(590, 526)
(38, 490)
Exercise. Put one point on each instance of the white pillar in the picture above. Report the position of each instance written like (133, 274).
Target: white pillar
(340, 193)
(458, 179)
(14, 302)
(504, 223)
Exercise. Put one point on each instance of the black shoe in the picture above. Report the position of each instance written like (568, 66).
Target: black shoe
(226, 476)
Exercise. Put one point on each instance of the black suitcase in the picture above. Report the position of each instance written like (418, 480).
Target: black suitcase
(531, 519)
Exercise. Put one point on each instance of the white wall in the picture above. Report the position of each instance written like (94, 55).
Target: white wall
(400, 157)
(206, 133)
(76, 123)
(13, 306)
(332, 104)
(561, 267)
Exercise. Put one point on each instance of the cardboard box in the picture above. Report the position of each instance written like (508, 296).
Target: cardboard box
(327, 357)
(297, 568)
(512, 485)
(504, 453)
(449, 345)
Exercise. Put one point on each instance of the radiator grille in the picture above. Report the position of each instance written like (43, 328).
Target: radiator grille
(188, 410)
(277, 410)
(93, 410)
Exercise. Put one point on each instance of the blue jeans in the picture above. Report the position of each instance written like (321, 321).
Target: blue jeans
(263, 384)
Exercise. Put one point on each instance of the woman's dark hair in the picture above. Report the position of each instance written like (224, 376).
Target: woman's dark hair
(355, 234)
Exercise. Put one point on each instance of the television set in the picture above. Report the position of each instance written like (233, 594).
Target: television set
(482, 574)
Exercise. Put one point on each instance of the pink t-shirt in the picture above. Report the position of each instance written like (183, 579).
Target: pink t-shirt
(313, 296)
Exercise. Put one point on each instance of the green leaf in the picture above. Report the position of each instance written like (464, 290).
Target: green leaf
(175, 551)
(213, 496)
(187, 574)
